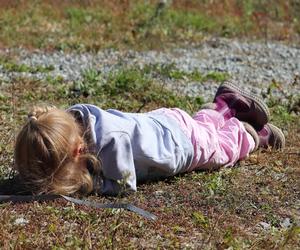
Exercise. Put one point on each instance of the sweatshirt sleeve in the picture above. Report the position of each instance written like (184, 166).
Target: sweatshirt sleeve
(118, 165)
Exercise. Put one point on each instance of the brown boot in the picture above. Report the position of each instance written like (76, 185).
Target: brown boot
(232, 101)
(271, 136)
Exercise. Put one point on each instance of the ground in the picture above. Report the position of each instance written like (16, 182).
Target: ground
(254, 205)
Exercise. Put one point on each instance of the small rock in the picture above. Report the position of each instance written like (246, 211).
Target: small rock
(159, 193)
(265, 225)
(286, 223)
(20, 221)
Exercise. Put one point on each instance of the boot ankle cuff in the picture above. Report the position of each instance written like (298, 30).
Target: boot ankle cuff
(209, 105)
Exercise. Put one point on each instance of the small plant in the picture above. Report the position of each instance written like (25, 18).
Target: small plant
(228, 239)
(11, 66)
(90, 85)
(283, 113)
(57, 80)
(215, 184)
(270, 216)
(200, 219)
(172, 72)
(127, 80)
(216, 76)
(78, 16)
(128, 88)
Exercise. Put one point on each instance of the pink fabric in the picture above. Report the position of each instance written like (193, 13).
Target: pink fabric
(217, 141)
(222, 107)
(264, 136)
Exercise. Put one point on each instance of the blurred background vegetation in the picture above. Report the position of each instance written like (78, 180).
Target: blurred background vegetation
(90, 25)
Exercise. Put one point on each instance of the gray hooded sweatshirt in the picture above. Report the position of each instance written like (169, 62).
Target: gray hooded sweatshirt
(135, 146)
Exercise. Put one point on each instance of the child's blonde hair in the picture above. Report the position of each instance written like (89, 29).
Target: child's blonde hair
(44, 153)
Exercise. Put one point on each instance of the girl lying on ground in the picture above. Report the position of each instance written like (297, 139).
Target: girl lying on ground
(85, 148)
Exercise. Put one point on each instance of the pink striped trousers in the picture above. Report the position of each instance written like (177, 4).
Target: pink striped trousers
(218, 140)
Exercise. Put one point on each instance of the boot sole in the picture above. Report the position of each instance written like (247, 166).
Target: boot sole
(252, 97)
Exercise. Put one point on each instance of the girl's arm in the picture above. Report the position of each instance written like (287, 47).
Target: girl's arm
(118, 165)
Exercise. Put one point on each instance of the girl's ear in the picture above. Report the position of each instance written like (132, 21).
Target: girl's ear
(79, 149)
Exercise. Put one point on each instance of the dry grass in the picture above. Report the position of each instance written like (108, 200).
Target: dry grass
(254, 205)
